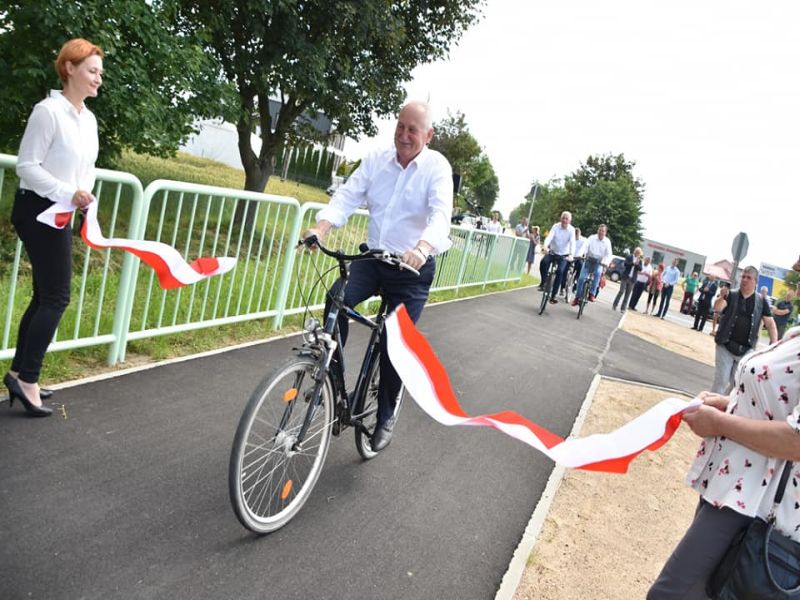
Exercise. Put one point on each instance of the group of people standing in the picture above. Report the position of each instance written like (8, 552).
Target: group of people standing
(638, 274)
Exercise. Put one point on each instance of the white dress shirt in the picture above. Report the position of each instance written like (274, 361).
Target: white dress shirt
(598, 249)
(580, 244)
(494, 227)
(644, 275)
(58, 150)
(561, 240)
(671, 275)
(405, 205)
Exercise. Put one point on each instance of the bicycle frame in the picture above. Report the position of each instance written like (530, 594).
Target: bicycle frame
(332, 359)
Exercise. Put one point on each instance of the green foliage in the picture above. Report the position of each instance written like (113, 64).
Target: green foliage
(479, 183)
(346, 59)
(156, 80)
(602, 190)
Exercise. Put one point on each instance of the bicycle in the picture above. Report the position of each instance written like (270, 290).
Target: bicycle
(571, 277)
(283, 436)
(583, 294)
(547, 285)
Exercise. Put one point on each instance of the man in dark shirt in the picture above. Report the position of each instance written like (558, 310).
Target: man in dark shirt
(783, 312)
(741, 317)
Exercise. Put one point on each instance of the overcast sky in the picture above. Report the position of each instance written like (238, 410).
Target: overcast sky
(704, 96)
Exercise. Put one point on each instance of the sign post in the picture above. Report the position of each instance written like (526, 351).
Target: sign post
(738, 251)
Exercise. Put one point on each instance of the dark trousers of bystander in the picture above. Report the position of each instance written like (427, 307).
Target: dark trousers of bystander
(666, 296)
(701, 315)
(50, 252)
(623, 295)
(686, 302)
(638, 289)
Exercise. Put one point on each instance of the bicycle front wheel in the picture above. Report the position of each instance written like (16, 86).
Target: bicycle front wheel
(271, 473)
(366, 409)
(548, 289)
(584, 296)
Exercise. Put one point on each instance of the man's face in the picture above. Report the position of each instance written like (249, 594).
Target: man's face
(410, 134)
(748, 282)
(565, 220)
(601, 232)
(674, 262)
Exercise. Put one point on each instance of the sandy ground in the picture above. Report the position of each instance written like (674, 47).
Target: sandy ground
(607, 536)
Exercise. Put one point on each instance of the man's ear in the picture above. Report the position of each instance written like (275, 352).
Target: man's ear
(429, 136)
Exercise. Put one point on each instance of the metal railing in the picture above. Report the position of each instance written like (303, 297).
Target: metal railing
(115, 300)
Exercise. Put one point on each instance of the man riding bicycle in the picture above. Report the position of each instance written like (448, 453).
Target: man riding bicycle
(598, 252)
(408, 190)
(559, 245)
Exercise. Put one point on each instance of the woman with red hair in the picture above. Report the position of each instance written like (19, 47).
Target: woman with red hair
(55, 166)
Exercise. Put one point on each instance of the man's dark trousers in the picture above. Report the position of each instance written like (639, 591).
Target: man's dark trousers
(400, 287)
(701, 314)
(666, 296)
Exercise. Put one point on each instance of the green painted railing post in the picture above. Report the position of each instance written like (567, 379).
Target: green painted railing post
(463, 266)
(510, 259)
(127, 279)
(489, 261)
(288, 265)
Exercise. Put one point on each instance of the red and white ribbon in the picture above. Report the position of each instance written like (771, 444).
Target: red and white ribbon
(426, 381)
(170, 267)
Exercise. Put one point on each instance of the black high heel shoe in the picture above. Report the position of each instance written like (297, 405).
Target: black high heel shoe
(44, 393)
(15, 392)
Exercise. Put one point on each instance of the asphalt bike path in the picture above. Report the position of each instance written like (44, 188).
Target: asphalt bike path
(127, 497)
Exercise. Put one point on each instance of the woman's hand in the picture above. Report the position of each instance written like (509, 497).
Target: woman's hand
(713, 400)
(82, 199)
(706, 421)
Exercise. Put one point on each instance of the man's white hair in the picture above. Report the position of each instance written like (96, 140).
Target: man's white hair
(425, 107)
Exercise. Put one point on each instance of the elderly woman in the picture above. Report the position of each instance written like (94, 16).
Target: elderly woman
(747, 438)
(55, 166)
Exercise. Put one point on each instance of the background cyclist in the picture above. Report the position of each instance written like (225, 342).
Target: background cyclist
(597, 248)
(558, 245)
(577, 261)
(408, 190)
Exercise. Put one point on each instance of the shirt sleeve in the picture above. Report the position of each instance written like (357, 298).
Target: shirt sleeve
(440, 207)
(349, 196)
(766, 311)
(33, 150)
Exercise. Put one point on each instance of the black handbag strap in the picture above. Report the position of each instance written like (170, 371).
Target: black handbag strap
(787, 470)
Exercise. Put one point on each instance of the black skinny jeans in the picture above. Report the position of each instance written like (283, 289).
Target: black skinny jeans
(50, 254)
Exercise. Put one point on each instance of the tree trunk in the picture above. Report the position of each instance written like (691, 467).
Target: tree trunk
(257, 171)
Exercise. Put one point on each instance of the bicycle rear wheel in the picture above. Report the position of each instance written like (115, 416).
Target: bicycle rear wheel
(366, 409)
(270, 475)
(548, 289)
(568, 285)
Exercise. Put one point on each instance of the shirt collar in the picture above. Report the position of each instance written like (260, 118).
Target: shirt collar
(413, 161)
(66, 104)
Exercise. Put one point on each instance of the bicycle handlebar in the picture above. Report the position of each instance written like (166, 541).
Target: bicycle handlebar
(390, 258)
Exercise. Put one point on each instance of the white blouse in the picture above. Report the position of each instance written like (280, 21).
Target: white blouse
(58, 150)
(726, 473)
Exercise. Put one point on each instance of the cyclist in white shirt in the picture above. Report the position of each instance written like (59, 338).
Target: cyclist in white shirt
(597, 254)
(560, 246)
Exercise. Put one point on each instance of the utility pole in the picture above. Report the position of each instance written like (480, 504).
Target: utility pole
(533, 193)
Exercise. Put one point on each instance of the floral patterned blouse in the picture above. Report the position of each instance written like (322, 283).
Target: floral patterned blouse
(726, 473)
